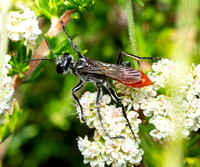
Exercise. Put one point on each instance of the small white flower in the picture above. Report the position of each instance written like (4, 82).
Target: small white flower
(128, 145)
(106, 99)
(7, 90)
(189, 123)
(190, 95)
(197, 71)
(23, 26)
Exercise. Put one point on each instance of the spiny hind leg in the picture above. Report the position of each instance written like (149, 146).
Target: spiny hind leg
(116, 98)
(97, 103)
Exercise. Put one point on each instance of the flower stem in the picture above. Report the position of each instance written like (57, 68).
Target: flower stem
(184, 44)
(131, 29)
(41, 50)
(186, 31)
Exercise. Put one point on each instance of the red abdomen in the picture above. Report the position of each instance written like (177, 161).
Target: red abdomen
(142, 82)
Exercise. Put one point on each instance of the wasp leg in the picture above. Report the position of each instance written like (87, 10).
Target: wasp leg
(76, 88)
(98, 98)
(116, 98)
(137, 58)
(70, 40)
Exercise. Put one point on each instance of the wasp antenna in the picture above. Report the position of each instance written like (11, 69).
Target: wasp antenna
(50, 47)
(156, 58)
(150, 58)
(70, 40)
(38, 59)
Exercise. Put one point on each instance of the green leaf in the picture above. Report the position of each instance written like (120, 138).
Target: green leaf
(43, 5)
(193, 141)
(11, 121)
(192, 146)
(16, 61)
(34, 75)
(78, 5)
(194, 152)
(57, 46)
(139, 2)
(75, 15)
(50, 8)
(67, 5)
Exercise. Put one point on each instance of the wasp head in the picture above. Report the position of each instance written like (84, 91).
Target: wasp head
(63, 63)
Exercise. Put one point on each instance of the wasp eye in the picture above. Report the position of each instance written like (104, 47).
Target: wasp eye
(59, 68)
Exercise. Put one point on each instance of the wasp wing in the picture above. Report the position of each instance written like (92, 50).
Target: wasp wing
(113, 71)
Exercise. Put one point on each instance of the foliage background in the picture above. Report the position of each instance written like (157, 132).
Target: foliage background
(49, 128)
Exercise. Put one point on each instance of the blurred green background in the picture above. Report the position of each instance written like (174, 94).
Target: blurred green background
(47, 133)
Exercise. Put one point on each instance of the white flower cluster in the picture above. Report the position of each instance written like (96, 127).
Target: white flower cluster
(7, 90)
(23, 26)
(103, 150)
(172, 103)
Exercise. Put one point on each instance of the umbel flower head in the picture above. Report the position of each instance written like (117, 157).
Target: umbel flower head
(7, 90)
(172, 103)
(23, 26)
(103, 150)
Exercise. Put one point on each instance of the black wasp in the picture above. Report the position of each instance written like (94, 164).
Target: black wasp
(90, 70)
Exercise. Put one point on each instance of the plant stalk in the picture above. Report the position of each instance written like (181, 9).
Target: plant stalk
(186, 31)
(41, 50)
(184, 43)
(132, 29)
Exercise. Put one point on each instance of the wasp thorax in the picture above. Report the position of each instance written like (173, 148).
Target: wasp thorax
(63, 63)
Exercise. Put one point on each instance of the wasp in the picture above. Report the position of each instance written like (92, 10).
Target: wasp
(90, 70)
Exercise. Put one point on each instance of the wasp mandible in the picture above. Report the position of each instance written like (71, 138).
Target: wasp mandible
(89, 70)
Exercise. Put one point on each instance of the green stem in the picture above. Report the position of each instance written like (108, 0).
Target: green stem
(186, 30)
(131, 29)
(185, 41)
